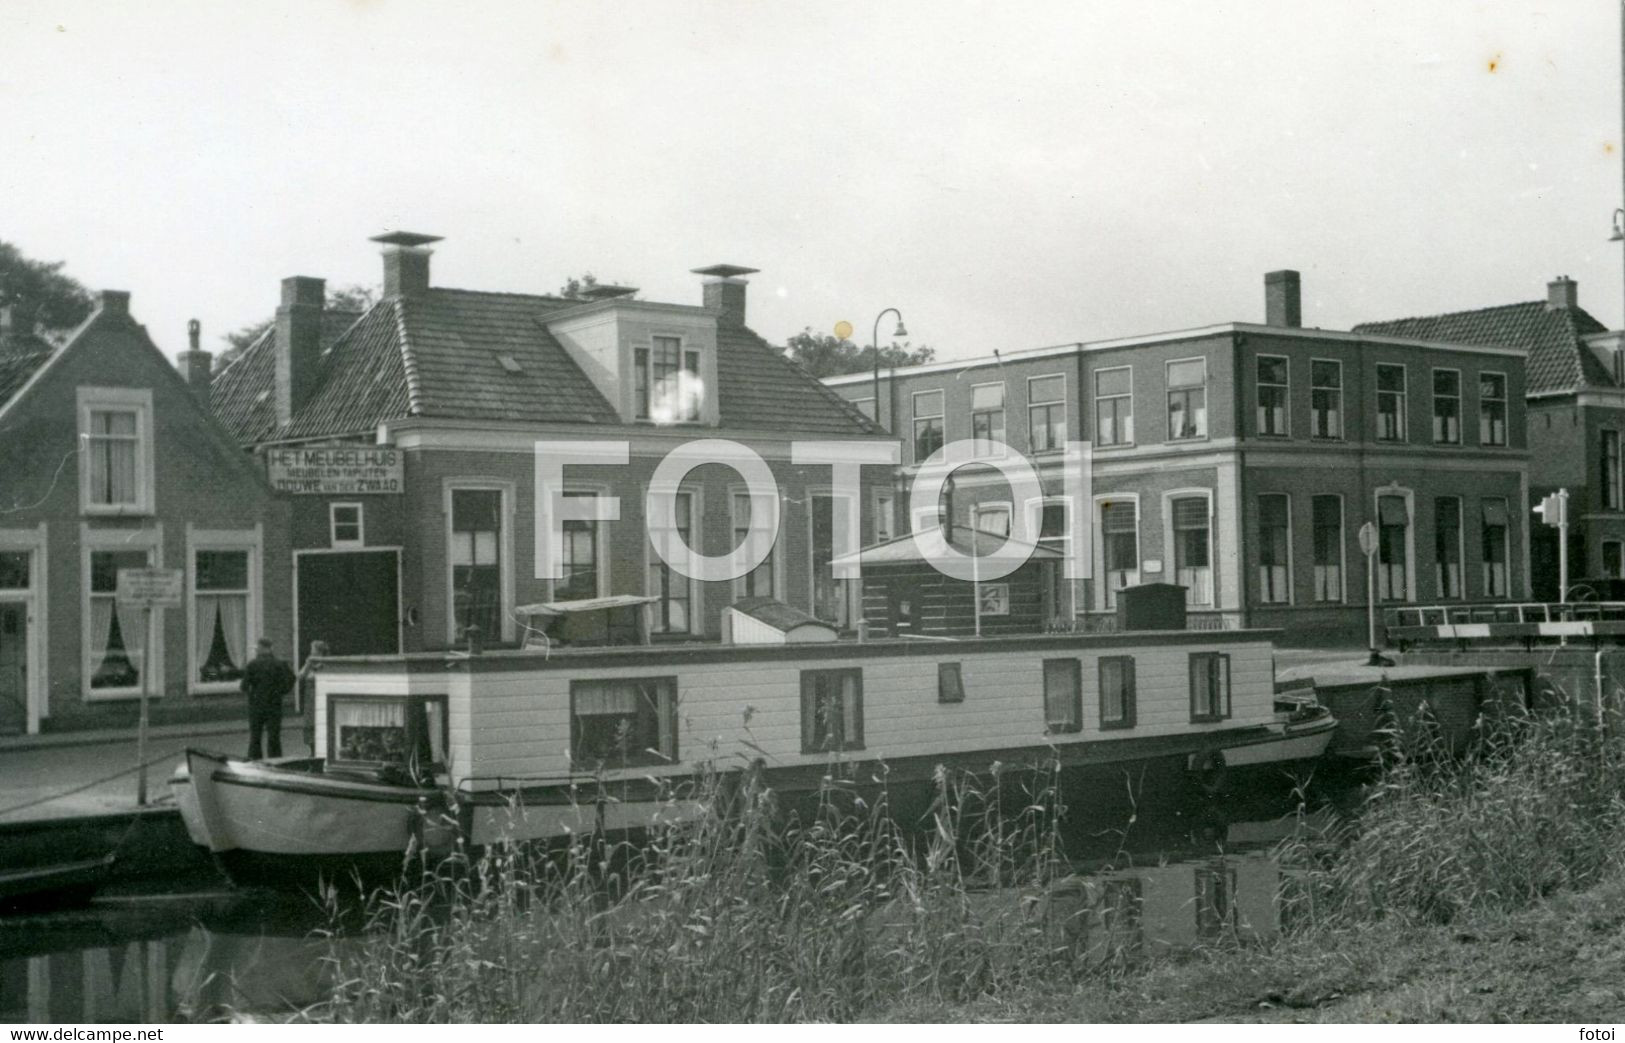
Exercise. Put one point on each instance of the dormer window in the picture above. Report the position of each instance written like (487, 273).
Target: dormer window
(668, 385)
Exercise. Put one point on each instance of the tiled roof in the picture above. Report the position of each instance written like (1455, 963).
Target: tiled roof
(16, 368)
(240, 395)
(1558, 359)
(469, 355)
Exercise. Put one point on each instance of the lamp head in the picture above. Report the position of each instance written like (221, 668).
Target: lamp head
(901, 332)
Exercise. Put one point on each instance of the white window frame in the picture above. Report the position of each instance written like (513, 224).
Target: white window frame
(1258, 405)
(1342, 401)
(915, 416)
(1098, 525)
(1099, 398)
(95, 539)
(1506, 409)
(779, 564)
(1066, 418)
(989, 507)
(1506, 548)
(33, 598)
(997, 448)
(1433, 403)
(475, 483)
(1034, 509)
(685, 346)
(333, 526)
(885, 514)
(696, 604)
(1461, 548)
(138, 401)
(1409, 496)
(1291, 558)
(1171, 565)
(851, 590)
(1342, 548)
(1404, 394)
(1168, 391)
(253, 542)
(600, 537)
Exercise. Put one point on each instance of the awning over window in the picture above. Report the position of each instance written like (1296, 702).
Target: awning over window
(1495, 512)
(1391, 510)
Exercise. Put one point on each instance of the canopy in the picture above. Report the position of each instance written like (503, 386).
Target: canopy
(560, 608)
(902, 550)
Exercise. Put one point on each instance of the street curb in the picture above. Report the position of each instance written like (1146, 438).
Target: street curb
(63, 740)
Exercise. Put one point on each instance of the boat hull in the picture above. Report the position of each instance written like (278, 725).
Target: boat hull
(1292, 744)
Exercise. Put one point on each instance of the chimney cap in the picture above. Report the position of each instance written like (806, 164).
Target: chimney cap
(607, 291)
(724, 271)
(406, 239)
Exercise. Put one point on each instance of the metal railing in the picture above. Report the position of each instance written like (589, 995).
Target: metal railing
(1503, 612)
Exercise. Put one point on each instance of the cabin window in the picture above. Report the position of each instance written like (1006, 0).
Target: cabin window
(668, 387)
(476, 560)
(950, 683)
(1274, 549)
(672, 613)
(1325, 398)
(928, 434)
(1492, 409)
(1114, 406)
(831, 710)
(1495, 549)
(406, 732)
(623, 722)
(1328, 525)
(1119, 524)
(1063, 696)
(987, 419)
(1210, 686)
(757, 583)
(1272, 395)
(580, 558)
(1193, 563)
(1116, 692)
(1393, 548)
(1390, 403)
(1611, 500)
(1046, 413)
(1447, 545)
(1187, 399)
(1447, 406)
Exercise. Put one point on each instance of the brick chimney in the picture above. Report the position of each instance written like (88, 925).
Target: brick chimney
(298, 343)
(113, 302)
(725, 291)
(1562, 292)
(197, 365)
(406, 262)
(1282, 301)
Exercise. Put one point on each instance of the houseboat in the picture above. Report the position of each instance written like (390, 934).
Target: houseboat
(556, 739)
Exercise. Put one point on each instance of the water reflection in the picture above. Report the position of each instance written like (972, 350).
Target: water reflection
(218, 956)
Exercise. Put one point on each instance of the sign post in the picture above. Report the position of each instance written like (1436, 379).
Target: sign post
(1554, 511)
(147, 589)
(1368, 547)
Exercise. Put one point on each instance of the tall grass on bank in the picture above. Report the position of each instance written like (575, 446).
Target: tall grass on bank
(745, 914)
(1534, 806)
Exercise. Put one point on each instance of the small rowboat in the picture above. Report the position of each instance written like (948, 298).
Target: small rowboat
(57, 884)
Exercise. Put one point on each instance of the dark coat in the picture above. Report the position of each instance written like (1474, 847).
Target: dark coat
(266, 680)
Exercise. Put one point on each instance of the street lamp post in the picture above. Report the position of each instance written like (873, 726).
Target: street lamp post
(874, 342)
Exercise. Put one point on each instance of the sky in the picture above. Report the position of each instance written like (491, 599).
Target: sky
(1008, 175)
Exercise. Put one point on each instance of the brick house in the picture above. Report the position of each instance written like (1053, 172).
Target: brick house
(447, 391)
(111, 461)
(1240, 460)
(1576, 418)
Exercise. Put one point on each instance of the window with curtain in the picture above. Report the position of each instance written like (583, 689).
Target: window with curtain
(623, 722)
(1187, 399)
(476, 560)
(994, 518)
(1272, 395)
(1447, 406)
(1328, 526)
(672, 613)
(1390, 403)
(758, 582)
(1114, 406)
(1120, 543)
(220, 601)
(580, 578)
(1063, 696)
(1116, 692)
(112, 451)
(950, 683)
(1274, 549)
(1325, 399)
(1492, 409)
(1393, 550)
(1046, 413)
(987, 419)
(117, 644)
(1193, 562)
(1447, 546)
(1494, 548)
(667, 383)
(1210, 686)
(408, 731)
(831, 710)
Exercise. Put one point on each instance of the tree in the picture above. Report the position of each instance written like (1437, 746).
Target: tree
(356, 298)
(824, 355)
(58, 302)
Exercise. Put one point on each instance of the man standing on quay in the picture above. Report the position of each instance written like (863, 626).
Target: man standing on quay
(266, 680)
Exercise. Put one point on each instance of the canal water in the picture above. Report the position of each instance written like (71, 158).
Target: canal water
(198, 950)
